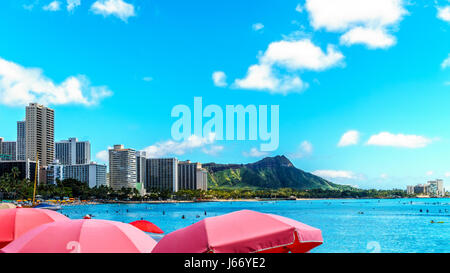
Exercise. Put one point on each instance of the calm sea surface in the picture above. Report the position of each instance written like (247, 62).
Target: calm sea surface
(347, 225)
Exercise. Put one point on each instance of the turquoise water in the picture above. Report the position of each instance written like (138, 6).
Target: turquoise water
(361, 226)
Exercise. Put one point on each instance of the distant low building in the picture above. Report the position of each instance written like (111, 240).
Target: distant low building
(432, 188)
(8, 150)
(436, 188)
(27, 168)
(54, 172)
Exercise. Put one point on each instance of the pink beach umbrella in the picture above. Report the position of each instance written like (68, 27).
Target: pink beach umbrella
(82, 236)
(15, 222)
(242, 232)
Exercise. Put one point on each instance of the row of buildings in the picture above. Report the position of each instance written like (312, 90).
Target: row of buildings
(431, 188)
(35, 149)
(132, 169)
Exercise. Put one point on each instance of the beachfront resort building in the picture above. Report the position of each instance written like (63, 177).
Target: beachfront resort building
(40, 134)
(21, 141)
(72, 151)
(93, 174)
(431, 188)
(191, 176)
(162, 174)
(122, 168)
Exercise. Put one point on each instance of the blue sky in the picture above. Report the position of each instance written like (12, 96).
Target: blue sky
(372, 76)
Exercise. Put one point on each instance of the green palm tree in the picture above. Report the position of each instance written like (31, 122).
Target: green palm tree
(15, 172)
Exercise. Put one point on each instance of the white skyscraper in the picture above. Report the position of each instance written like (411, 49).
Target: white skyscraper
(72, 151)
(122, 168)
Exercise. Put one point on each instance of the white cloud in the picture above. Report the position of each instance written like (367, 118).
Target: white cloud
(213, 150)
(301, 54)
(447, 174)
(444, 13)
(257, 26)
(20, 85)
(147, 79)
(429, 173)
(28, 7)
(373, 38)
(254, 153)
(305, 149)
(103, 156)
(119, 8)
(399, 140)
(333, 174)
(365, 22)
(299, 8)
(72, 4)
(292, 55)
(261, 77)
(446, 62)
(171, 147)
(349, 138)
(384, 176)
(53, 6)
(219, 78)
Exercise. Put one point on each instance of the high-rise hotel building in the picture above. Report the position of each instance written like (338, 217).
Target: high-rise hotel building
(141, 161)
(40, 134)
(162, 174)
(122, 168)
(72, 152)
(191, 176)
(21, 140)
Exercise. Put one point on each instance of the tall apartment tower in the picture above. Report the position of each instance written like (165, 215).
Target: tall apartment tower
(40, 134)
(72, 151)
(162, 174)
(122, 168)
(21, 141)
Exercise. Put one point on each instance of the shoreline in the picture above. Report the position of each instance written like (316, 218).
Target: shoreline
(235, 200)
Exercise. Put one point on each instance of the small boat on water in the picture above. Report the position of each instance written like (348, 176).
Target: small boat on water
(47, 206)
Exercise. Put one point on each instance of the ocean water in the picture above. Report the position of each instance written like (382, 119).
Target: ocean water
(356, 226)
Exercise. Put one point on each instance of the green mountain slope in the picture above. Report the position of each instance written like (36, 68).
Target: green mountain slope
(268, 173)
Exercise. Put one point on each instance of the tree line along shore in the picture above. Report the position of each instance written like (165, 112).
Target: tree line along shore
(12, 188)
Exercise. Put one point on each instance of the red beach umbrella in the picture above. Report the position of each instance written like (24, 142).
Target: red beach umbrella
(242, 232)
(147, 226)
(15, 222)
(82, 236)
